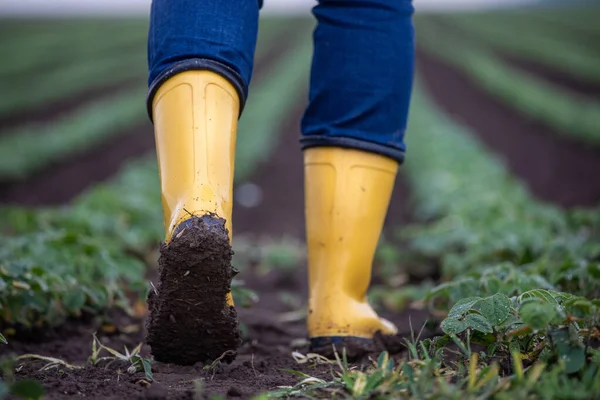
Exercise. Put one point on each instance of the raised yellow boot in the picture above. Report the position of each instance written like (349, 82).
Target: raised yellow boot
(192, 317)
(347, 196)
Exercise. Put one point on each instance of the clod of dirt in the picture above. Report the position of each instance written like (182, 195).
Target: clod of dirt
(190, 320)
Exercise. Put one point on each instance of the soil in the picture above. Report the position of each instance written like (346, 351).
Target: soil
(572, 84)
(188, 307)
(63, 106)
(271, 329)
(555, 168)
(60, 183)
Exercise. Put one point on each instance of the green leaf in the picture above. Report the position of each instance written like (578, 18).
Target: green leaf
(142, 364)
(3, 339)
(74, 300)
(28, 389)
(572, 354)
(453, 326)
(495, 309)
(462, 307)
(3, 389)
(537, 314)
(479, 323)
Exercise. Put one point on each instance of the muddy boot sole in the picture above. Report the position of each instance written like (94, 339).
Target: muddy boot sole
(189, 319)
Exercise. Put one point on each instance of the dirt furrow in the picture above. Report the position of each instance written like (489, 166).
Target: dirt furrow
(64, 106)
(568, 82)
(61, 182)
(554, 167)
(274, 327)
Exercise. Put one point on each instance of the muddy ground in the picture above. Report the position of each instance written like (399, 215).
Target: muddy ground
(555, 169)
(272, 329)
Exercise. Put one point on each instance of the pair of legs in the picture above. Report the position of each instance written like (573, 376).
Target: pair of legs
(201, 58)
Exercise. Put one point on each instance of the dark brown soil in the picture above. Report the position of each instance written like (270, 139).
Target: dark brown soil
(555, 168)
(60, 183)
(569, 82)
(572, 84)
(61, 107)
(189, 318)
(271, 329)
(270, 335)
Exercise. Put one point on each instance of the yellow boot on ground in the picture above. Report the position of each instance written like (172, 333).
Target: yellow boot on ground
(195, 118)
(191, 314)
(347, 194)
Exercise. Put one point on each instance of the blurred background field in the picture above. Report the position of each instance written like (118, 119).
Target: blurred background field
(500, 193)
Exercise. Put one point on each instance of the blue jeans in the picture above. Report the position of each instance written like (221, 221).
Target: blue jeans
(362, 68)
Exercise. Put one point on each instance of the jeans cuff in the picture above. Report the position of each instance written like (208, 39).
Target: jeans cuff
(199, 64)
(352, 143)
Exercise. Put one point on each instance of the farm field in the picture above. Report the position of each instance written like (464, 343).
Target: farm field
(489, 263)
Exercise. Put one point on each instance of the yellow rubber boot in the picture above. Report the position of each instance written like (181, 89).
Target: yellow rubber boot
(195, 118)
(191, 313)
(347, 196)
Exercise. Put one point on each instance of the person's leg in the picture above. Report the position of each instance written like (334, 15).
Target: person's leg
(200, 56)
(353, 132)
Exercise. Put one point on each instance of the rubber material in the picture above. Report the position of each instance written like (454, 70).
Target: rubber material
(347, 195)
(195, 124)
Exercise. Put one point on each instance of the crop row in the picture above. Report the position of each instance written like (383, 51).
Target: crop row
(31, 55)
(89, 256)
(28, 149)
(107, 64)
(519, 276)
(534, 40)
(572, 116)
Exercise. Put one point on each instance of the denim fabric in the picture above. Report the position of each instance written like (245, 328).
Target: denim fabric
(362, 68)
(362, 74)
(217, 35)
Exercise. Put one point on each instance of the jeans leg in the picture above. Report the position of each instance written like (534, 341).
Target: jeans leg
(362, 74)
(202, 34)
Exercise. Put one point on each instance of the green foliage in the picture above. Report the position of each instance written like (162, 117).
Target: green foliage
(26, 389)
(571, 115)
(426, 377)
(519, 277)
(29, 149)
(532, 38)
(91, 255)
(60, 262)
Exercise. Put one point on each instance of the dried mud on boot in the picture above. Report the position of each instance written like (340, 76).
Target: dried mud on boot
(190, 320)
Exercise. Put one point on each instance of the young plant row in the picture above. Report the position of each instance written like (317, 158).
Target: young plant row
(92, 255)
(29, 149)
(575, 117)
(107, 64)
(520, 278)
(31, 54)
(534, 40)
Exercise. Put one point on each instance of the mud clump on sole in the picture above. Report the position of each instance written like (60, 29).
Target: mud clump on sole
(189, 319)
(357, 348)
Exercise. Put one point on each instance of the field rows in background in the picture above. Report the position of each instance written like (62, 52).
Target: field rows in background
(100, 228)
(28, 149)
(116, 64)
(537, 41)
(34, 54)
(572, 116)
